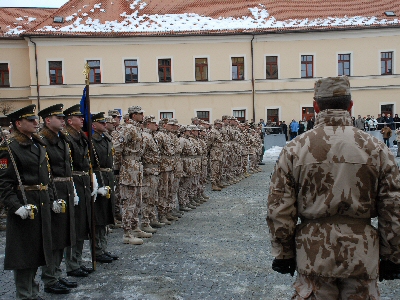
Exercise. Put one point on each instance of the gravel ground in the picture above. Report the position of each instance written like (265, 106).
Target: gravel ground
(218, 251)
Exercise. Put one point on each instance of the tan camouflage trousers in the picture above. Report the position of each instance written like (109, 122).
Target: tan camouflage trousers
(194, 186)
(253, 162)
(216, 172)
(203, 177)
(149, 198)
(183, 191)
(244, 162)
(325, 288)
(164, 191)
(118, 203)
(175, 189)
(130, 196)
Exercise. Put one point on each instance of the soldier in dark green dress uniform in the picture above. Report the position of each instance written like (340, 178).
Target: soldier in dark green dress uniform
(25, 191)
(62, 215)
(78, 144)
(105, 200)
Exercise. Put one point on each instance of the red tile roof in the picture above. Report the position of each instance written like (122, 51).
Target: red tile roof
(21, 19)
(172, 17)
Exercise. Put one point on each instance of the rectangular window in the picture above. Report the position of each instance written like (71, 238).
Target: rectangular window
(201, 69)
(55, 72)
(386, 63)
(204, 115)
(271, 67)
(164, 70)
(343, 64)
(237, 68)
(166, 114)
(4, 75)
(273, 115)
(240, 115)
(95, 72)
(307, 66)
(131, 70)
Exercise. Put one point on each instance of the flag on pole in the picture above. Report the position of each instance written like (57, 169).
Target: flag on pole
(84, 111)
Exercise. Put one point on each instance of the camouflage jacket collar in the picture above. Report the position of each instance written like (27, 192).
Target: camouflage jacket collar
(333, 117)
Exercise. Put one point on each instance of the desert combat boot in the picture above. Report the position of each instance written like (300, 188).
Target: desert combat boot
(128, 238)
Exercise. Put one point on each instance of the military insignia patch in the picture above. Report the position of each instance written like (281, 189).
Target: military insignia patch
(3, 163)
(121, 139)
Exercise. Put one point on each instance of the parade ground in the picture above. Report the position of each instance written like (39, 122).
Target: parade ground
(220, 250)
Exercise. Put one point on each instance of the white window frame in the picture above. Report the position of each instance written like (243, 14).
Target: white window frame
(351, 61)
(245, 67)
(314, 65)
(387, 103)
(240, 108)
(167, 111)
(123, 69)
(172, 68)
(204, 109)
(272, 107)
(278, 62)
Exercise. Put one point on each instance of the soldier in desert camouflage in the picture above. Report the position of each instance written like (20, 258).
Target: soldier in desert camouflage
(335, 178)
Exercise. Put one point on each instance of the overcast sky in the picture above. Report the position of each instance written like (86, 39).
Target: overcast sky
(32, 3)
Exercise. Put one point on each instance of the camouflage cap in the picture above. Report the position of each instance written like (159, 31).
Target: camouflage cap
(194, 118)
(217, 121)
(182, 128)
(163, 121)
(110, 119)
(135, 110)
(173, 121)
(192, 127)
(149, 119)
(114, 113)
(225, 117)
(332, 87)
(126, 117)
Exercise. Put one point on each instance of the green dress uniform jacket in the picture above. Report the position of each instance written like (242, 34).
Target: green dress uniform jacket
(62, 224)
(104, 208)
(78, 143)
(28, 242)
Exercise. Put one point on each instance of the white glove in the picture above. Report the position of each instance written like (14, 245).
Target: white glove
(102, 191)
(22, 212)
(95, 185)
(56, 207)
(76, 198)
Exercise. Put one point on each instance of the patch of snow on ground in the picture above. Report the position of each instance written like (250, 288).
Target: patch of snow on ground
(272, 154)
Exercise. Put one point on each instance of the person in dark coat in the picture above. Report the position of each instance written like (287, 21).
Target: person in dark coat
(28, 236)
(78, 144)
(284, 129)
(105, 200)
(62, 215)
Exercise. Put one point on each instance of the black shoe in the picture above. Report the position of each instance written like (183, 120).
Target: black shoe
(78, 273)
(261, 164)
(68, 283)
(113, 256)
(104, 258)
(57, 288)
(87, 269)
(39, 298)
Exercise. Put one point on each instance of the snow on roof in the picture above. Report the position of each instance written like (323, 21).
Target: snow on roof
(185, 16)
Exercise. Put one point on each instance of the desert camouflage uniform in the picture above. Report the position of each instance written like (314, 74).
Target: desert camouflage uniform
(216, 156)
(167, 151)
(151, 169)
(178, 167)
(226, 152)
(335, 178)
(130, 147)
(115, 137)
(196, 164)
(204, 164)
(188, 151)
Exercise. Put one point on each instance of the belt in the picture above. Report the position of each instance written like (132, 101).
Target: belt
(80, 173)
(62, 179)
(138, 158)
(151, 166)
(104, 169)
(37, 187)
(338, 219)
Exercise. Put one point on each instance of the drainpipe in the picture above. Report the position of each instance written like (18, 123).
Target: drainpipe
(37, 75)
(252, 80)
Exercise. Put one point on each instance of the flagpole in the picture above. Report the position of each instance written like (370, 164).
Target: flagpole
(88, 118)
